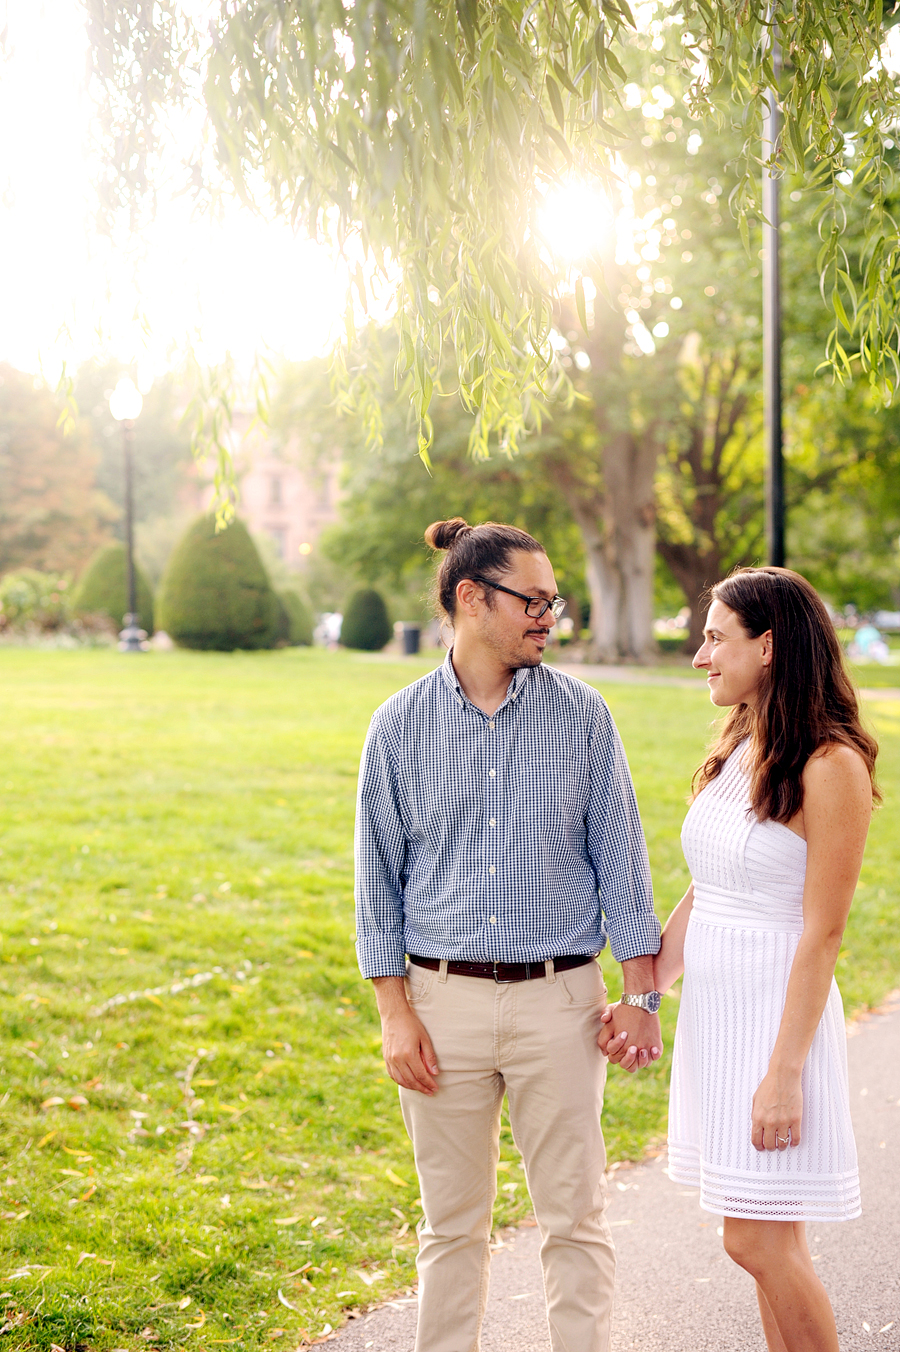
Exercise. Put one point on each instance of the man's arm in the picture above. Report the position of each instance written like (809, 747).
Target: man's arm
(408, 1053)
(631, 1037)
(380, 849)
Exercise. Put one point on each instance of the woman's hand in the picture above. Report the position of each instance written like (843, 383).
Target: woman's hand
(777, 1111)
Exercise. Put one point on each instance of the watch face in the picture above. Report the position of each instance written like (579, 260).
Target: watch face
(652, 1002)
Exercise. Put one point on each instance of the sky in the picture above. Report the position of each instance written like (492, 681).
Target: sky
(237, 285)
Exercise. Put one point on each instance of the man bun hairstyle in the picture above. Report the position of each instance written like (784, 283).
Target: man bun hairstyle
(442, 534)
(470, 551)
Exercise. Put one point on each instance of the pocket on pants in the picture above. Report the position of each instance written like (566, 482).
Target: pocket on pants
(582, 987)
(419, 981)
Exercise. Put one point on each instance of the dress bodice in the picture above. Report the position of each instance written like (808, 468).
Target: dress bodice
(744, 870)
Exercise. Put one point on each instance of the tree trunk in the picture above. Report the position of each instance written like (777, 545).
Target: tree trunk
(629, 466)
(694, 572)
(617, 525)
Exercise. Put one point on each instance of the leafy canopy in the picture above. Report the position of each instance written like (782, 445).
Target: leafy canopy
(423, 137)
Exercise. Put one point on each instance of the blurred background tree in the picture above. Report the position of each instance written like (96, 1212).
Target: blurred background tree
(53, 513)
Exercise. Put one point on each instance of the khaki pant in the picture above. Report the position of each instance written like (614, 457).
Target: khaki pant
(537, 1042)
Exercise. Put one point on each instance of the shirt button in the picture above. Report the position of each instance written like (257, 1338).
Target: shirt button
(493, 920)
(493, 774)
(492, 869)
(491, 725)
(492, 822)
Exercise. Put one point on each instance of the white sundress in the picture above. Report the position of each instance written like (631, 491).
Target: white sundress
(743, 932)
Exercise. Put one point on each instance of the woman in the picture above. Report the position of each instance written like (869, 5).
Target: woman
(759, 1113)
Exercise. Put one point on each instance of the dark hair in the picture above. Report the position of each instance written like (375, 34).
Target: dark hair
(807, 700)
(483, 550)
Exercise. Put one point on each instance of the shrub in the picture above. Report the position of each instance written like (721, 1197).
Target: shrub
(103, 588)
(295, 622)
(29, 598)
(216, 593)
(366, 624)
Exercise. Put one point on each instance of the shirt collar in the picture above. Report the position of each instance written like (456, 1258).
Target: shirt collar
(451, 680)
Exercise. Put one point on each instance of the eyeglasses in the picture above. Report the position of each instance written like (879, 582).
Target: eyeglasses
(535, 606)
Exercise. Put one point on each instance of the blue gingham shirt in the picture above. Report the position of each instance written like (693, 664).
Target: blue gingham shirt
(504, 837)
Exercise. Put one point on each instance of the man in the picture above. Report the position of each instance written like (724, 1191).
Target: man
(495, 803)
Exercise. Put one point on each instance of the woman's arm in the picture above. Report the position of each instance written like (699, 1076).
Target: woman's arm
(668, 964)
(837, 808)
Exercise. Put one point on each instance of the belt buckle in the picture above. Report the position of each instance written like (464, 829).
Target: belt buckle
(510, 980)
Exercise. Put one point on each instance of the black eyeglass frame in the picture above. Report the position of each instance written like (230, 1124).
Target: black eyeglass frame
(557, 605)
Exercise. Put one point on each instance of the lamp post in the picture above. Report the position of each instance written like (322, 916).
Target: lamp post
(125, 404)
(772, 321)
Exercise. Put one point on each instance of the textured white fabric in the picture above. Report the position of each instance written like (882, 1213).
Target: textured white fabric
(744, 928)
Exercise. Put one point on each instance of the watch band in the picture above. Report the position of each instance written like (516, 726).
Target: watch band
(649, 1001)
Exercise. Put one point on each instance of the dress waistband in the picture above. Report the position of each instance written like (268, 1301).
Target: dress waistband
(742, 910)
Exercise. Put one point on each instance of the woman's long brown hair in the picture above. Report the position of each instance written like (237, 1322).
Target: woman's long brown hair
(807, 700)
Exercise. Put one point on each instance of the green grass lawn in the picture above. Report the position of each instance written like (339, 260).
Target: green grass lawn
(200, 1145)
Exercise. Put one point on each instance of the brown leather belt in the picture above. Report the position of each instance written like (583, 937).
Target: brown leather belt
(503, 972)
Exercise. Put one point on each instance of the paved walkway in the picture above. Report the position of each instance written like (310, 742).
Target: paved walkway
(677, 1291)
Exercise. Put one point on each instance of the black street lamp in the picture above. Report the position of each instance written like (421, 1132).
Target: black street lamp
(771, 270)
(125, 404)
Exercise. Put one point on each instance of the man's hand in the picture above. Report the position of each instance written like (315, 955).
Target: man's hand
(630, 1037)
(408, 1053)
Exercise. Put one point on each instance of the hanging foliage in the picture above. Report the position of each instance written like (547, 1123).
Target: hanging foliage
(423, 138)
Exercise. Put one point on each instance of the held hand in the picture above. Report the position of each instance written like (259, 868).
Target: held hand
(630, 1038)
(777, 1111)
(408, 1053)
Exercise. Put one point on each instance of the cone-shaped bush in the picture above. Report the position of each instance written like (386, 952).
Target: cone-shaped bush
(216, 593)
(295, 626)
(366, 624)
(103, 590)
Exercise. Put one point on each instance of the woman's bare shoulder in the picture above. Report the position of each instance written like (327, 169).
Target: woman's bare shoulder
(836, 767)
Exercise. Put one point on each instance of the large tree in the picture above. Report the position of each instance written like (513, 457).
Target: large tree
(431, 134)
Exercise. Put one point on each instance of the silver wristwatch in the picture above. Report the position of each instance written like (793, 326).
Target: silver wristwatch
(651, 1001)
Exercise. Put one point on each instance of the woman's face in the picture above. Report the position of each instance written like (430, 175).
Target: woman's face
(734, 662)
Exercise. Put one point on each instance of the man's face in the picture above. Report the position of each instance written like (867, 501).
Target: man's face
(514, 637)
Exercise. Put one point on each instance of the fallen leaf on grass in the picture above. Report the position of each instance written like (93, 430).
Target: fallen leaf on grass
(72, 1173)
(395, 1178)
(198, 1323)
(288, 1220)
(49, 1137)
(183, 1304)
(284, 1300)
(14, 1216)
(370, 1278)
(207, 1178)
(276, 1333)
(206, 1083)
(79, 1154)
(89, 1193)
(54, 1102)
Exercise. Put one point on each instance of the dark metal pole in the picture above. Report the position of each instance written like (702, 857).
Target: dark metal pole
(772, 329)
(131, 636)
(128, 440)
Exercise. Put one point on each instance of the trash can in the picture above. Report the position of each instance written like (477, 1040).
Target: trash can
(410, 639)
